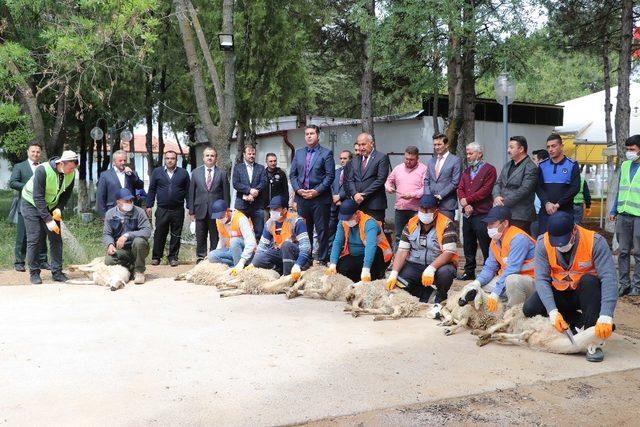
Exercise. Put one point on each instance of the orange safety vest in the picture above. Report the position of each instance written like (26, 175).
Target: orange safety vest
(562, 279)
(234, 228)
(286, 232)
(381, 239)
(442, 221)
(501, 255)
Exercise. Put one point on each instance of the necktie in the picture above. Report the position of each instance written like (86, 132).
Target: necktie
(363, 166)
(438, 166)
(306, 169)
(209, 180)
(341, 177)
(35, 163)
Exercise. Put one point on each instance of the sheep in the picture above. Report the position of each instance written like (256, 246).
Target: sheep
(314, 283)
(255, 281)
(374, 298)
(206, 273)
(458, 313)
(536, 332)
(113, 276)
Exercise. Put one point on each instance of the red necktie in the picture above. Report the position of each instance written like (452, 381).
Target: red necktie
(209, 180)
(364, 163)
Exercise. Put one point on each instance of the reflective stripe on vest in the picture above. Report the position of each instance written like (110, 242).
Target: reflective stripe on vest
(286, 232)
(442, 221)
(381, 239)
(502, 255)
(52, 192)
(629, 191)
(579, 199)
(562, 279)
(234, 228)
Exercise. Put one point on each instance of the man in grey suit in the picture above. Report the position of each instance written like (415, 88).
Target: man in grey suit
(443, 176)
(208, 184)
(516, 185)
(19, 176)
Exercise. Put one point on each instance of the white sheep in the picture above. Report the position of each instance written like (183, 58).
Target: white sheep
(255, 281)
(374, 298)
(206, 273)
(113, 276)
(314, 283)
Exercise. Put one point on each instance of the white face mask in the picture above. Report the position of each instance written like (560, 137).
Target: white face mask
(425, 217)
(494, 233)
(351, 223)
(631, 155)
(126, 207)
(275, 215)
(566, 248)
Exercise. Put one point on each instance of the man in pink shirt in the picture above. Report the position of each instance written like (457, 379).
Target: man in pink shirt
(407, 182)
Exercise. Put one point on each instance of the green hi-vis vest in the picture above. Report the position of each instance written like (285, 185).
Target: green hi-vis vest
(579, 199)
(52, 192)
(629, 191)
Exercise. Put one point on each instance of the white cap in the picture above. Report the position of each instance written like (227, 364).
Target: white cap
(68, 156)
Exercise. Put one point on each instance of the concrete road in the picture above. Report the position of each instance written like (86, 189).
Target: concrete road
(168, 353)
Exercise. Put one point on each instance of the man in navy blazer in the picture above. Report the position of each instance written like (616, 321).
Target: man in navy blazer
(312, 172)
(117, 177)
(443, 176)
(249, 181)
(338, 193)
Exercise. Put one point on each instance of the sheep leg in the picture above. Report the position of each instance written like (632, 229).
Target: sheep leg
(231, 293)
(295, 290)
(80, 282)
(348, 307)
(397, 313)
(516, 339)
(454, 328)
(379, 311)
(277, 286)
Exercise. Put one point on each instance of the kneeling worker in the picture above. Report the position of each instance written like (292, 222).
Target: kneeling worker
(237, 240)
(284, 245)
(574, 270)
(508, 271)
(126, 234)
(360, 249)
(427, 253)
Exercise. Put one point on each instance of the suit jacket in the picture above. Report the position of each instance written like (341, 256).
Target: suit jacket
(446, 184)
(519, 189)
(200, 199)
(338, 189)
(321, 172)
(370, 181)
(168, 193)
(20, 174)
(242, 184)
(109, 184)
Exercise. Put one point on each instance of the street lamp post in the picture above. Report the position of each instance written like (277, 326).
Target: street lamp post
(505, 95)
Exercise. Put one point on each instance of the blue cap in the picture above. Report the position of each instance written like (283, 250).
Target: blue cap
(429, 201)
(218, 208)
(277, 202)
(497, 213)
(124, 194)
(560, 228)
(347, 209)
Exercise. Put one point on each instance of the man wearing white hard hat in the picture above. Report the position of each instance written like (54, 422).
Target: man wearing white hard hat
(44, 197)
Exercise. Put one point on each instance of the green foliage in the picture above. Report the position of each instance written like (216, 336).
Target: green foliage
(15, 133)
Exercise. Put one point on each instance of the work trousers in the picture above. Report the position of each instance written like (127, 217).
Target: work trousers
(400, 221)
(474, 232)
(628, 234)
(257, 219)
(133, 258)
(20, 249)
(231, 255)
(316, 216)
(411, 277)
(205, 230)
(351, 266)
(586, 298)
(36, 229)
(517, 288)
(281, 259)
(168, 221)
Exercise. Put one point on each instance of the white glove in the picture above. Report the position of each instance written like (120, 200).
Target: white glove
(558, 321)
(428, 276)
(52, 226)
(392, 280)
(331, 269)
(192, 227)
(365, 276)
(295, 272)
(238, 267)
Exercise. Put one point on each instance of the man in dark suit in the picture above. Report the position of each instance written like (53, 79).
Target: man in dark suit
(170, 186)
(311, 174)
(19, 176)
(443, 176)
(277, 183)
(208, 184)
(338, 192)
(249, 181)
(366, 178)
(117, 177)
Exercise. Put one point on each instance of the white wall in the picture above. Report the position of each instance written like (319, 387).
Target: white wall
(5, 173)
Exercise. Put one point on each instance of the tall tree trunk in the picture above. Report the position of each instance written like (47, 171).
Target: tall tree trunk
(162, 89)
(185, 161)
(148, 117)
(55, 143)
(454, 86)
(90, 159)
(105, 158)
(467, 129)
(623, 107)
(228, 113)
(367, 70)
(83, 194)
(606, 67)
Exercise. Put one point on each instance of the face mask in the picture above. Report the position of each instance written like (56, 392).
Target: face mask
(631, 155)
(126, 207)
(566, 248)
(495, 233)
(474, 163)
(351, 223)
(275, 215)
(425, 218)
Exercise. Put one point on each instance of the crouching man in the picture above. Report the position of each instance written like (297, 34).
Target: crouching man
(360, 249)
(284, 245)
(237, 240)
(508, 271)
(426, 256)
(574, 270)
(126, 234)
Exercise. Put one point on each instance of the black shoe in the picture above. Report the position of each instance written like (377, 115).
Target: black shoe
(635, 291)
(198, 260)
(19, 267)
(59, 276)
(45, 266)
(35, 278)
(155, 262)
(624, 290)
(173, 263)
(596, 356)
(467, 276)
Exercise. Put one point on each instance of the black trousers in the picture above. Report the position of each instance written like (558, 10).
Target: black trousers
(168, 220)
(586, 298)
(522, 225)
(20, 250)
(474, 232)
(333, 226)
(411, 277)
(36, 229)
(351, 266)
(205, 229)
(256, 215)
(316, 215)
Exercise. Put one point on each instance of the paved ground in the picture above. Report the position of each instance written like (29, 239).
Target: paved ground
(169, 353)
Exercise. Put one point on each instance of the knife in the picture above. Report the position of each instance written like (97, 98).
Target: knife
(570, 335)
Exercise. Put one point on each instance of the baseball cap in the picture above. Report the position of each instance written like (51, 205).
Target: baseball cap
(124, 194)
(347, 209)
(429, 201)
(497, 213)
(560, 227)
(218, 208)
(277, 202)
